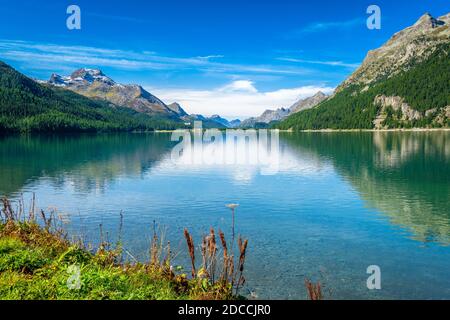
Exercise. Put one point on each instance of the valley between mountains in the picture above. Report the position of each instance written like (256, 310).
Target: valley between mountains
(403, 84)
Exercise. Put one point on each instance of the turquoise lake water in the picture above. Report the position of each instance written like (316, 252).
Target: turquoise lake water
(339, 203)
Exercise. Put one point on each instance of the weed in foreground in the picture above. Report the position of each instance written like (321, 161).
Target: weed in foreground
(36, 256)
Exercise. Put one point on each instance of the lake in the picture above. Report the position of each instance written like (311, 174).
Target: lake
(338, 203)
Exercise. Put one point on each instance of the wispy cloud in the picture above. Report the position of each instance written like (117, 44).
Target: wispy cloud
(326, 26)
(64, 56)
(327, 63)
(240, 98)
(213, 56)
(323, 26)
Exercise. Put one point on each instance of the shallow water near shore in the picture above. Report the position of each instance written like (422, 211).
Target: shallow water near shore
(339, 202)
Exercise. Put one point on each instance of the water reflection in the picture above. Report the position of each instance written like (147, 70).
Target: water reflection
(87, 162)
(404, 175)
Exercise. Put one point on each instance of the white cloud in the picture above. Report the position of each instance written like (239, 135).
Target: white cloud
(240, 86)
(238, 99)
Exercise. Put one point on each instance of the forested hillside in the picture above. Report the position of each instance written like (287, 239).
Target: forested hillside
(27, 106)
(424, 87)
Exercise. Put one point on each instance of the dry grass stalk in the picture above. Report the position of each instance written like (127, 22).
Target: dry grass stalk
(314, 290)
(191, 249)
(242, 251)
(212, 250)
(225, 262)
(7, 210)
(47, 220)
(32, 208)
(154, 248)
(167, 259)
(226, 273)
(204, 249)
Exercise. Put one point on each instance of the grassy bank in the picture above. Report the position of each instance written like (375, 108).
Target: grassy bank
(37, 261)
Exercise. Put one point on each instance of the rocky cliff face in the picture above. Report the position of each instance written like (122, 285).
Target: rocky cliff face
(396, 108)
(403, 111)
(415, 43)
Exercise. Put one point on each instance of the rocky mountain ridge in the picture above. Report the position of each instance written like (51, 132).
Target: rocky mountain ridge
(93, 83)
(272, 116)
(402, 84)
(415, 43)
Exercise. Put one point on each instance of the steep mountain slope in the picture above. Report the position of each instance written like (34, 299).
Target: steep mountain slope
(403, 84)
(308, 103)
(93, 83)
(26, 105)
(405, 49)
(179, 111)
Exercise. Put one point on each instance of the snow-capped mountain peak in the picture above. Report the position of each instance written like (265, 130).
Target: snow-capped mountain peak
(80, 76)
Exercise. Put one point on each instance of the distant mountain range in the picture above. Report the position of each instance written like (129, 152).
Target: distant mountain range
(88, 100)
(93, 83)
(214, 121)
(403, 84)
(271, 117)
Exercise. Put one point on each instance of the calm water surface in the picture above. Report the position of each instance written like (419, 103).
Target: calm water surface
(339, 203)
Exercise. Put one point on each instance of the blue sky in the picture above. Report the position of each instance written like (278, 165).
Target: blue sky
(232, 57)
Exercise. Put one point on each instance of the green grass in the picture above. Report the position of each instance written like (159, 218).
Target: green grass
(35, 264)
(27, 273)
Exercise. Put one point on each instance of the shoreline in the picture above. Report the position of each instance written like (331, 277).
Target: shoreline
(337, 130)
(372, 130)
